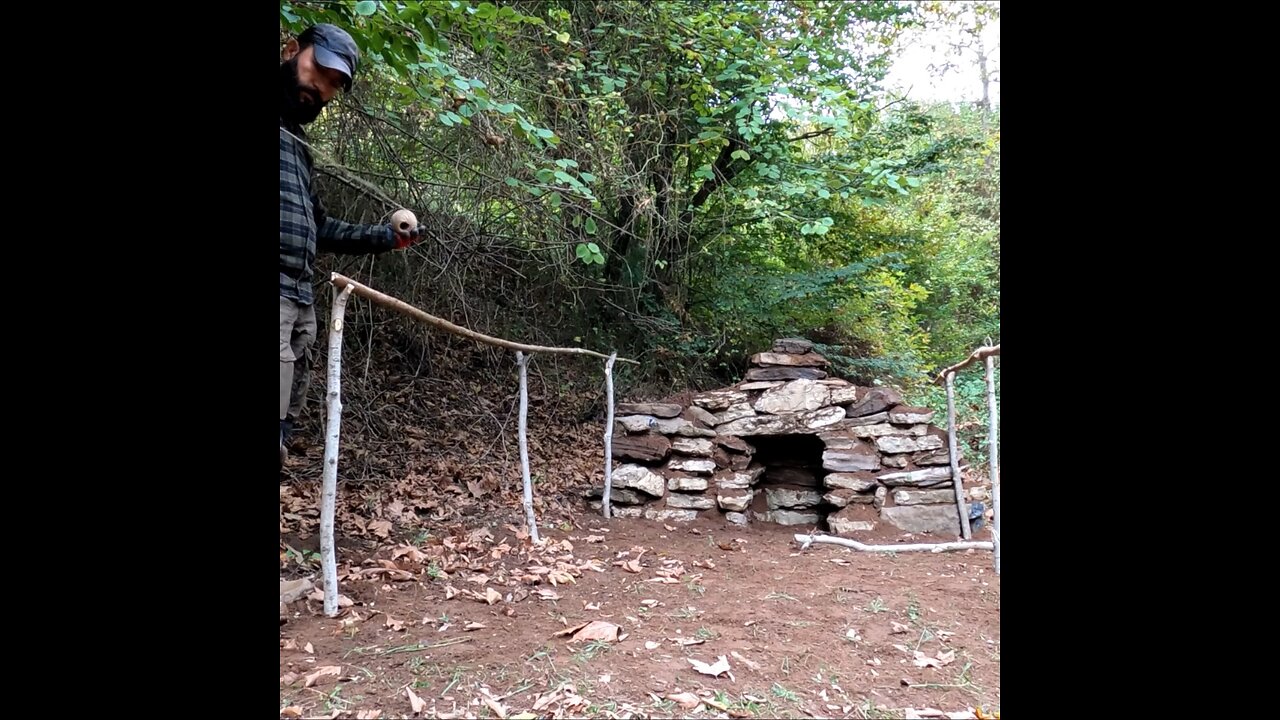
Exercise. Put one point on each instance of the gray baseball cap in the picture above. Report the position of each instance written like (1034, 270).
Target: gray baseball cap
(335, 49)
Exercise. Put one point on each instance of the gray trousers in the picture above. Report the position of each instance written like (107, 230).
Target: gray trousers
(297, 333)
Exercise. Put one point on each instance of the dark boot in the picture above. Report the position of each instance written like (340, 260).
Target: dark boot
(292, 443)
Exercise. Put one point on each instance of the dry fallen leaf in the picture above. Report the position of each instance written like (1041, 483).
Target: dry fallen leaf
(898, 628)
(288, 678)
(686, 700)
(395, 625)
(649, 603)
(417, 703)
(651, 645)
(310, 649)
(755, 666)
(852, 634)
(328, 671)
(343, 600)
(290, 644)
(591, 606)
(721, 665)
(629, 565)
(594, 630)
(293, 711)
(450, 592)
(291, 590)
(410, 551)
(473, 626)
(548, 594)
(595, 538)
(381, 528)
(368, 714)
(686, 641)
(492, 596)
(495, 706)
(922, 660)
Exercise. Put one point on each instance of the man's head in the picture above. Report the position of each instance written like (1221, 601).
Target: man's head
(322, 60)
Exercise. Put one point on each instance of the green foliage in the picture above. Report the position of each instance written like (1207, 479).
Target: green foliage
(679, 180)
(972, 416)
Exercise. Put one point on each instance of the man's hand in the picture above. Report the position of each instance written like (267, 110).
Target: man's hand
(405, 239)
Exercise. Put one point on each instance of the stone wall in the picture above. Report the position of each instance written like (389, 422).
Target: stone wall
(788, 445)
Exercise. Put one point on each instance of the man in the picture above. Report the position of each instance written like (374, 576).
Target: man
(315, 66)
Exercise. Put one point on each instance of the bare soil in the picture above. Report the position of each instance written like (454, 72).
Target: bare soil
(824, 632)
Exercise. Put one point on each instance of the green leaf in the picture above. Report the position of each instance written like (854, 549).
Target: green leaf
(512, 181)
(740, 155)
(913, 182)
(544, 133)
(366, 7)
(594, 248)
(563, 37)
(461, 84)
(588, 177)
(591, 226)
(555, 199)
(284, 10)
(582, 252)
(486, 11)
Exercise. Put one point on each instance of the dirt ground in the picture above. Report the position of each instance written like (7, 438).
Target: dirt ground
(473, 622)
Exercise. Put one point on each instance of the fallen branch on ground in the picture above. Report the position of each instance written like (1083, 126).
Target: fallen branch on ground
(806, 540)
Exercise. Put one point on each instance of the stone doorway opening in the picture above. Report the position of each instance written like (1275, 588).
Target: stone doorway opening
(790, 489)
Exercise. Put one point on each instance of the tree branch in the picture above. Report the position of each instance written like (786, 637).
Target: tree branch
(342, 282)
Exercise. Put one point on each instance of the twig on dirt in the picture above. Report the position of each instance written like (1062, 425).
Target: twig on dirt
(918, 547)
(517, 691)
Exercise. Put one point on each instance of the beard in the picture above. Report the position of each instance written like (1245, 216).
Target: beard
(298, 104)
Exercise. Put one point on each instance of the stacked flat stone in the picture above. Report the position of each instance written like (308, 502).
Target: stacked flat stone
(879, 458)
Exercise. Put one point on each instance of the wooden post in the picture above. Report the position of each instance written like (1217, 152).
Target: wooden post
(955, 457)
(993, 450)
(329, 492)
(523, 362)
(608, 438)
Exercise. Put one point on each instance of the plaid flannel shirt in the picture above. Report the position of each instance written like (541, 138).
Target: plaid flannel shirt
(305, 227)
